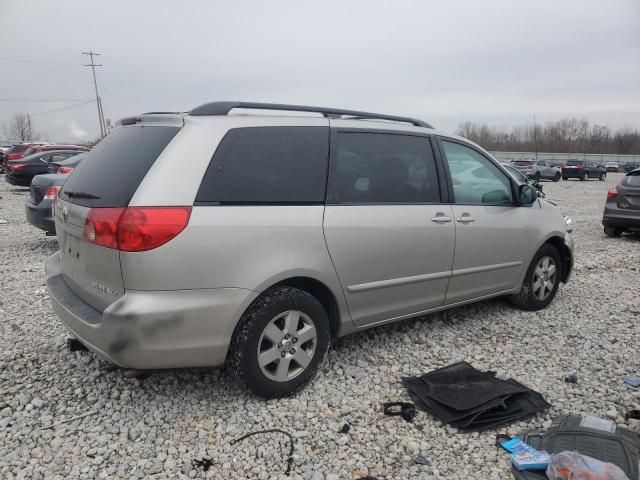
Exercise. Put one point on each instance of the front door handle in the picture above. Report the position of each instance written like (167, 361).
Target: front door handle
(465, 218)
(441, 218)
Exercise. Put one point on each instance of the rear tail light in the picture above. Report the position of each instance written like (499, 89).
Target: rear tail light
(613, 192)
(64, 170)
(135, 229)
(17, 167)
(579, 166)
(51, 193)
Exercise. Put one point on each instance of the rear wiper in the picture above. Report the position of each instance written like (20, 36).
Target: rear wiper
(81, 195)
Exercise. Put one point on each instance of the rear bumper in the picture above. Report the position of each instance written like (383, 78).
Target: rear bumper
(152, 330)
(572, 173)
(40, 215)
(621, 218)
(18, 180)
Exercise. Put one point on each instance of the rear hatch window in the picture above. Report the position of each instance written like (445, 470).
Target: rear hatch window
(575, 162)
(111, 172)
(632, 180)
(522, 163)
(18, 148)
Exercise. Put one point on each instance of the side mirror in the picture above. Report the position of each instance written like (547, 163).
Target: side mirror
(527, 194)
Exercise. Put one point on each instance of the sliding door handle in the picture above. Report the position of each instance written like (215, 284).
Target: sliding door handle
(465, 219)
(441, 218)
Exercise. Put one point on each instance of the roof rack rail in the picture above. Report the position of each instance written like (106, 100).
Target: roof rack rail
(223, 108)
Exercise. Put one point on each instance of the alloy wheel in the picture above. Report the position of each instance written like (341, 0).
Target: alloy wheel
(544, 278)
(287, 345)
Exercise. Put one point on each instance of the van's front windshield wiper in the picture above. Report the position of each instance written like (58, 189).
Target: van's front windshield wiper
(81, 195)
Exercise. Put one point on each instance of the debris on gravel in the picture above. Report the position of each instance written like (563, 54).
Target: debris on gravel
(156, 427)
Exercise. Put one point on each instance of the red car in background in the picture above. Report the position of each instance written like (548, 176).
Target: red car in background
(21, 150)
(18, 151)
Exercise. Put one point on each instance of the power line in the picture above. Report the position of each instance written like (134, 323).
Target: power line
(18, 60)
(63, 108)
(93, 66)
(54, 110)
(49, 100)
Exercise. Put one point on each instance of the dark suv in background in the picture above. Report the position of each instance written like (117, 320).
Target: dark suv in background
(583, 170)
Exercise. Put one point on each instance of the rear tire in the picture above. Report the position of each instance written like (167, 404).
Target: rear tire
(273, 367)
(603, 176)
(541, 281)
(557, 178)
(612, 232)
(584, 177)
(564, 178)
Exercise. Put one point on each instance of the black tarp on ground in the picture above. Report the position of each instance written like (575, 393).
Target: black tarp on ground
(469, 399)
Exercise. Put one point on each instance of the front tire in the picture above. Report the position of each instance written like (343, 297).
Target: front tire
(541, 281)
(612, 232)
(556, 178)
(280, 343)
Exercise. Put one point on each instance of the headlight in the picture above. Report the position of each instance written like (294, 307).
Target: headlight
(568, 221)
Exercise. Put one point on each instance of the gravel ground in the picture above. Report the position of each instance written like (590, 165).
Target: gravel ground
(155, 427)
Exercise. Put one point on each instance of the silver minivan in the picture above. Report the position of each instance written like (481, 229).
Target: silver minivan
(251, 235)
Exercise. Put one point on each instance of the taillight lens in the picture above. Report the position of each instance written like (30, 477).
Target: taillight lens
(51, 193)
(64, 170)
(613, 192)
(17, 167)
(579, 166)
(135, 229)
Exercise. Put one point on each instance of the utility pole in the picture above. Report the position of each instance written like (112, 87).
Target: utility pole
(95, 85)
(535, 135)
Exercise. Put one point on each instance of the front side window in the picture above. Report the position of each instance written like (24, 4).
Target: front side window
(383, 168)
(476, 180)
(262, 165)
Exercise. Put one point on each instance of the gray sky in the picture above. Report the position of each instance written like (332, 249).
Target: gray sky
(446, 62)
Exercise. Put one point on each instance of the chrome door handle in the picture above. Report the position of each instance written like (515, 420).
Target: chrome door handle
(465, 219)
(441, 219)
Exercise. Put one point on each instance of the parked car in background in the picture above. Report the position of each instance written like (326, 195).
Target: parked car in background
(538, 169)
(517, 174)
(583, 170)
(21, 172)
(631, 166)
(612, 166)
(56, 146)
(66, 165)
(622, 208)
(44, 189)
(271, 244)
(17, 151)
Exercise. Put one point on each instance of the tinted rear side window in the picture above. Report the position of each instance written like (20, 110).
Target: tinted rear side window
(266, 165)
(111, 172)
(383, 168)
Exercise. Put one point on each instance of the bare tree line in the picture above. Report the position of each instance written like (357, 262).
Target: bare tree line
(21, 129)
(569, 135)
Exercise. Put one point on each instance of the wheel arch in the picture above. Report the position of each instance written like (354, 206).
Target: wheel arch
(320, 291)
(565, 255)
